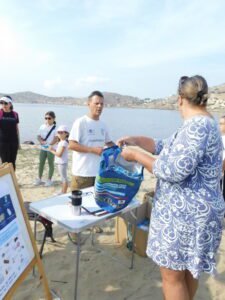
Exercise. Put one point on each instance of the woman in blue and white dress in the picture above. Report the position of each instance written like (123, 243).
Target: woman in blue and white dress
(188, 207)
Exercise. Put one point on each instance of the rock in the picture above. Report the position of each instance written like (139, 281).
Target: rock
(29, 143)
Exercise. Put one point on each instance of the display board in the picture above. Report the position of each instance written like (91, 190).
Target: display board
(18, 251)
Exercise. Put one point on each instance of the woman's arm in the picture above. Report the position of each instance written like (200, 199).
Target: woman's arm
(18, 134)
(143, 142)
(41, 140)
(140, 157)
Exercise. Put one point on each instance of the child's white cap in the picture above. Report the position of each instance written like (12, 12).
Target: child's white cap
(63, 128)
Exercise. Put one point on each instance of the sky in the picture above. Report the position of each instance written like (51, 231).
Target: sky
(133, 47)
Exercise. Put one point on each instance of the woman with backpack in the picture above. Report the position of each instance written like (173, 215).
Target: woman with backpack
(9, 131)
(46, 136)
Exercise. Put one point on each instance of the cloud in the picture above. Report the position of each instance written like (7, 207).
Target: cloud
(10, 41)
(89, 81)
(43, 57)
(52, 5)
(52, 83)
(182, 30)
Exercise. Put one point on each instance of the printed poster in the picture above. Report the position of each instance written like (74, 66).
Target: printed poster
(14, 256)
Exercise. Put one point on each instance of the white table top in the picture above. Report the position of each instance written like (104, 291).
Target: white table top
(57, 209)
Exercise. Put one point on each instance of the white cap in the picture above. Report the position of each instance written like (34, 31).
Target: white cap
(63, 128)
(5, 99)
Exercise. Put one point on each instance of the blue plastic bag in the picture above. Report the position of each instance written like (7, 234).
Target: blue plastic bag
(117, 182)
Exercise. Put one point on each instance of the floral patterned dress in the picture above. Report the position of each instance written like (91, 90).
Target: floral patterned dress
(188, 207)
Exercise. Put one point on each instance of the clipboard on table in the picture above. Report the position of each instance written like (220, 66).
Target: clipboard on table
(98, 212)
(93, 208)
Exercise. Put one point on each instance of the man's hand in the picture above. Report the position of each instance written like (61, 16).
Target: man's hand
(97, 150)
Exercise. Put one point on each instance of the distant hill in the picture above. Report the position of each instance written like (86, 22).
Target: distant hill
(111, 99)
(216, 101)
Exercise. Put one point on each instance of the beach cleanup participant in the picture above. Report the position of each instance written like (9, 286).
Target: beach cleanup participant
(188, 207)
(87, 138)
(46, 136)
(222, 130)
(61, 155)
(9, 131)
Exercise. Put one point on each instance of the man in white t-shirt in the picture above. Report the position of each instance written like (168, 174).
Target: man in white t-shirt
(87, 138)
(222, 129)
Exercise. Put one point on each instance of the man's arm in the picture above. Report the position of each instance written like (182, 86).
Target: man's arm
(75, 146)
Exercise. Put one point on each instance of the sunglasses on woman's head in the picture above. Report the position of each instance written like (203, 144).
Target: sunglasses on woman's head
(183, 79)
(48, 118)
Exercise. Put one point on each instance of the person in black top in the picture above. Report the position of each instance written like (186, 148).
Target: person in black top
(9, 131)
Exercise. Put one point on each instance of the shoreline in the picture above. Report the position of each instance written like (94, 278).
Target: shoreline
(141, 106)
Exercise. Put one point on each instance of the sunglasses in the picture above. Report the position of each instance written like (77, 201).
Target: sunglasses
(182, 80)
(48, 118)
(4, 103)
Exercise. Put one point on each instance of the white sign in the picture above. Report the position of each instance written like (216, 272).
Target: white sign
(16, 251)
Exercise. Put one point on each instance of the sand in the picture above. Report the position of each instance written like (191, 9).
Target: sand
(100, 277)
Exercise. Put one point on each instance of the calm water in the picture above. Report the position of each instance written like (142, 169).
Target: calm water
(120, 121)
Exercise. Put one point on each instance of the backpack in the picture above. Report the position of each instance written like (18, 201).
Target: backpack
(118, 180)
(14, 113)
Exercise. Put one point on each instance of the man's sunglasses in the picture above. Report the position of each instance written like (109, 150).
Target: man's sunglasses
(48, 118)
(61, 132)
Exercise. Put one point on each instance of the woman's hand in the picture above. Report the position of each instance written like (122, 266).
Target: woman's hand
(43, 142)
(127, 140)
(128, 154)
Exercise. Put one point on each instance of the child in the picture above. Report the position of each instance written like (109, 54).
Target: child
(61, 155)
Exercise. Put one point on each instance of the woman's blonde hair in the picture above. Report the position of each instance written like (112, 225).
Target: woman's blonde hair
(194, 89)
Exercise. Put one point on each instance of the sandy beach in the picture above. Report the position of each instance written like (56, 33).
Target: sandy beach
(100, 277)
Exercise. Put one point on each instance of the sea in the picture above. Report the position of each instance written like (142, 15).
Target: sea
(121, 122)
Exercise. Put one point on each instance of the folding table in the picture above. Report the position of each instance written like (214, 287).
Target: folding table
(57, 209)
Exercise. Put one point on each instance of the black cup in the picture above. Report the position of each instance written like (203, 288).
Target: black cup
(76, 197)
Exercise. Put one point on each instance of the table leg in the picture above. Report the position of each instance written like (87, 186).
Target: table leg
(77, 265)
(35, 236)
(35, 226)
(133, 241)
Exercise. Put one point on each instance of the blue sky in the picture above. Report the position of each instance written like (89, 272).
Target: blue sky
(133, 47)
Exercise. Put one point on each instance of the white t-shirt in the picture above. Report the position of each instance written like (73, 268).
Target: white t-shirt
(90, 133)
(223, 139)
(64, 158)
(44, 130)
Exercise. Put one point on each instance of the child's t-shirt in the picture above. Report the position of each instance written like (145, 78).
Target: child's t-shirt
(64, 158)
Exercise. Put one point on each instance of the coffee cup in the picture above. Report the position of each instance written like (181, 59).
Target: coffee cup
(76, 198)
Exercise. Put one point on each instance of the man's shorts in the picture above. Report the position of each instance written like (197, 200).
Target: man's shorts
(78, 182)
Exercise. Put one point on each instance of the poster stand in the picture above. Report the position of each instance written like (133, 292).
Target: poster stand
(18, 250)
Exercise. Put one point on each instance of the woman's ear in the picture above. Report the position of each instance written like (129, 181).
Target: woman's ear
(180, 101)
